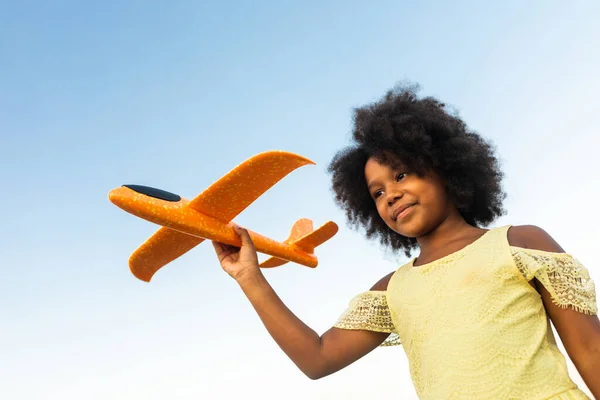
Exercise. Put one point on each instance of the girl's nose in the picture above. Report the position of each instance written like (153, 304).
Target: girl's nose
(393, 198)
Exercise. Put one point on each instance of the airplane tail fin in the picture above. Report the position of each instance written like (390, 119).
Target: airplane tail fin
(304, 238)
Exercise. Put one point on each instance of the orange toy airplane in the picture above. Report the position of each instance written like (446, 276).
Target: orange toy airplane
(185, 224)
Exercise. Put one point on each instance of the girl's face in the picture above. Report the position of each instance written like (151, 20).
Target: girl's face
(410, 205)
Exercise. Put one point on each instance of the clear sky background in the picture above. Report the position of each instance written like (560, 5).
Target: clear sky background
(173, 95)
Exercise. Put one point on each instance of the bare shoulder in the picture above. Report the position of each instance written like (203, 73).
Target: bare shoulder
(382, 284)
(578, 332)
(533, 237)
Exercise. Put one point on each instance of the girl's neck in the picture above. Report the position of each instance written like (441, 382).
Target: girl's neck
(453, 232)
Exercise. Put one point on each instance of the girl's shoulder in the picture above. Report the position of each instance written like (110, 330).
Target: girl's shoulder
(532, 237)
(382, 284)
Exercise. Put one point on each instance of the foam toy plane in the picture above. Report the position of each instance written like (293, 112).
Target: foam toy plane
(185, 224)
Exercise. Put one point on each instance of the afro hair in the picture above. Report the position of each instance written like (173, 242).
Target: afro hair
(423, 135)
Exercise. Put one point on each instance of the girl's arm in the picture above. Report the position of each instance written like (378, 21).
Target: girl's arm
(579, 332)
(316, 356)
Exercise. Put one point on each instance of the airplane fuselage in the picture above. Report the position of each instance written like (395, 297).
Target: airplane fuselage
(172, 211)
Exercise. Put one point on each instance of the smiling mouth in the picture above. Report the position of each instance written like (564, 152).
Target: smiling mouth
(402, 212)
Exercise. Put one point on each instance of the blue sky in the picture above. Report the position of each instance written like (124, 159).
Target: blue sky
(174, 95)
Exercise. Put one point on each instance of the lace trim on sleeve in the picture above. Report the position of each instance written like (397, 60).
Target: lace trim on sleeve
(369, 311)
(565, 278)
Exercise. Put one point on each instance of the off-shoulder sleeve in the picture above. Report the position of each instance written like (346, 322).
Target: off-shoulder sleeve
(566, 279)
(369, 311)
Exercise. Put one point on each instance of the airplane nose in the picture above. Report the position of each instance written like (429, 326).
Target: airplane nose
(153, 192)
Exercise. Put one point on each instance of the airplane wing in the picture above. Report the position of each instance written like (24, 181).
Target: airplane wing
(160, 249)
(223, 200)
(235, 191)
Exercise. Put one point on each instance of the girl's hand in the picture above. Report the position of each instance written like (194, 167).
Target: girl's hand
(238, 262)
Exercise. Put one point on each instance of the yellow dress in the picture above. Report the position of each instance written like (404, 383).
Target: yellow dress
(472, 326)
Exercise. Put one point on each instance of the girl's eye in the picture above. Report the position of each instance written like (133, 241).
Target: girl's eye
(399, 177)
(377, 194)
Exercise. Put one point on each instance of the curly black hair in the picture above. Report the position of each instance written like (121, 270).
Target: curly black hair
(421, 134)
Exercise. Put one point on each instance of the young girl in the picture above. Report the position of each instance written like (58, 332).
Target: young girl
(472, 311)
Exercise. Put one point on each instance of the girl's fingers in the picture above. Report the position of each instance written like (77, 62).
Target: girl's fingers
(244, 236)
(218, 247)
(222, 247)
(224, 250)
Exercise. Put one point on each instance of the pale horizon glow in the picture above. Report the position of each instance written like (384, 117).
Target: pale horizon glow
(97, 95)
